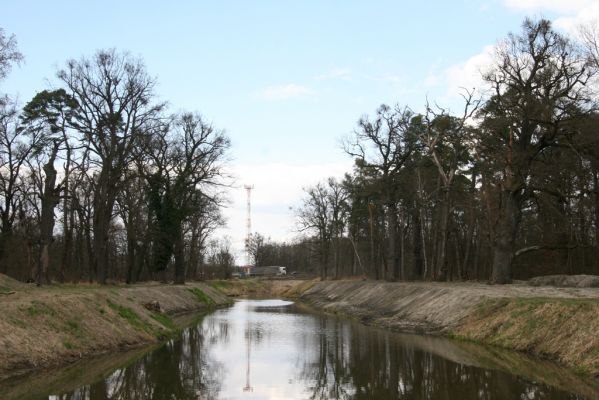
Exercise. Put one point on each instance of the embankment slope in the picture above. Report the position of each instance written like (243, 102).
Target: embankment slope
(42, 328)
(557, 323)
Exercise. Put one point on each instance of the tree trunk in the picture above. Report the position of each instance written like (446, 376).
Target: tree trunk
(49, 201)
(596, 189)
(104, 199)
(67, 219)
(416, 271)
(505, 238)
(100, 245)
(393, 250)
(373, 260)
(179, 256)
(441, 265)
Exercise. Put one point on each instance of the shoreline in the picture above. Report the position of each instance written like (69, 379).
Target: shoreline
(556, 324)
(55, 326)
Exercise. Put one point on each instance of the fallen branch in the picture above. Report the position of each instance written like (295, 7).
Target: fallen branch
(528, 249)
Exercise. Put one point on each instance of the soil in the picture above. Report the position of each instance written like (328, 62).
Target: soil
(556, 323)
(52, 326)
(55, 325)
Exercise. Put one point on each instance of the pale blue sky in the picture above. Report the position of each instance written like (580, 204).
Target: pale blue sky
(286, 79)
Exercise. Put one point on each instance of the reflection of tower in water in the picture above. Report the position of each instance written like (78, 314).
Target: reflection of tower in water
(248, 344)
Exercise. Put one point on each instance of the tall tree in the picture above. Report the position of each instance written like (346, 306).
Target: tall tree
(384, 145)
(539, 84)
(115, 97)
(185, 161)
(446, 139)
(48, 115)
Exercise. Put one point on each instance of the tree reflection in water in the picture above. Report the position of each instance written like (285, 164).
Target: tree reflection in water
(351, 361)
(181, 369)
(290, 354)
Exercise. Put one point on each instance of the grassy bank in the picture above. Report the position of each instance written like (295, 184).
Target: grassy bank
(565, 330)
(55, 325)
(41, 328)
(560, 324)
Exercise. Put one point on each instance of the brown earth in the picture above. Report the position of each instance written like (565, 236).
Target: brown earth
(556, 323)
(55, 325)
(40, 328)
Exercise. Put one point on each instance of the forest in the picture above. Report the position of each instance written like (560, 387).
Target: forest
(506, 188)
(100, 181)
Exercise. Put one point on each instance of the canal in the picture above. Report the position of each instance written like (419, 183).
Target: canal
(273, 349)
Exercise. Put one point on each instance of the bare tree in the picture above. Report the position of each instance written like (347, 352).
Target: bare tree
(184, 159)
(446, 141)
(115, 95)
(539, 84)
(9, 53)
(383, 146)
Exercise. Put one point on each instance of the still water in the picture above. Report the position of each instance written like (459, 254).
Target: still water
(272, 349)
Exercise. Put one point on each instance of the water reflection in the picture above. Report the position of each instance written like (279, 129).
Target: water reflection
(270, 350)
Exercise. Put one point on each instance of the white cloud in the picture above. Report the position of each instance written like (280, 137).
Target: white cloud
(336, 73)
(558, 6)
(570, 13)
(277, 187)
(468, 75)
(588, 15)
(283, 92)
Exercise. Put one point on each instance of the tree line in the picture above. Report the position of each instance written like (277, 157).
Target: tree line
(100, 182)
(506, 188)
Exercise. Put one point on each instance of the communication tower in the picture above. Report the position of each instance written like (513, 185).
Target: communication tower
(248, 226)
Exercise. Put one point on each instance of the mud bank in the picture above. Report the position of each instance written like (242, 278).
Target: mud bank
(57, 325)
(560, 324)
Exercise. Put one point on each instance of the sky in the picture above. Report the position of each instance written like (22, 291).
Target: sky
(286, 80)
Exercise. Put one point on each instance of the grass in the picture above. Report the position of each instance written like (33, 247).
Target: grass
(129, 315)
(558, 328)
(165, 321)
(201, 296)
(68, 345)
(37, 308)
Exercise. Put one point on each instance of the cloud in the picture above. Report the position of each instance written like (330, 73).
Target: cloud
(336, 73)
(570, 13)
(588, 15)
(277, 188)
(283, 92)
(557, 6)
(468, 75)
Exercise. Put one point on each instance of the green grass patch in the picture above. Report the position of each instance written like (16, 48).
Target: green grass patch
(221, 284)
(165, 321)
(18, 323)
(68, 345)
(37, 308)
(201, 296)
(75, 329)
(537, 301)
(129, 315)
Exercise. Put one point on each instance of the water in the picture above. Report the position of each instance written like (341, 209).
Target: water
(271, 349)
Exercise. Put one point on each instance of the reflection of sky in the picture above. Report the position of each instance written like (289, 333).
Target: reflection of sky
(296, 355)
(273, 353)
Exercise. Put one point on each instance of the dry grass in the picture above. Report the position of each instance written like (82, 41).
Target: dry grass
(560, 329)
(557, 323)
(256, 287)
(55, 325)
